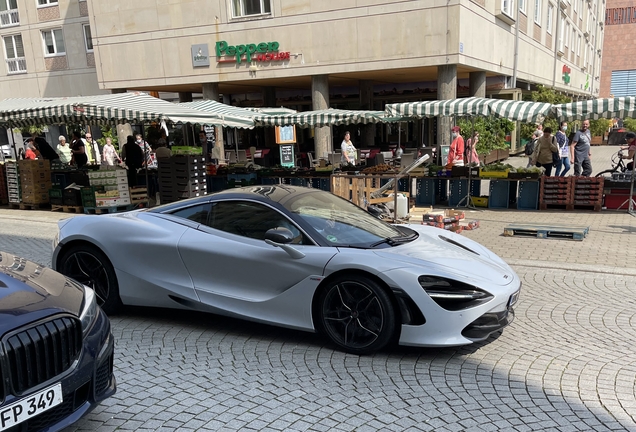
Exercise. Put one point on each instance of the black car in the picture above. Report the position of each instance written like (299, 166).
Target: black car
(56, 348)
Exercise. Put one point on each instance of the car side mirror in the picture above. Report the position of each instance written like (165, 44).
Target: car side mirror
(279, 235)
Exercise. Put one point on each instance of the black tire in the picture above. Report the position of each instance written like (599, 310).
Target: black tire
(356, 314)
(89, 266)
(607, 171)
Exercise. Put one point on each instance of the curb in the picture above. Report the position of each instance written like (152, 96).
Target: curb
(587, 268)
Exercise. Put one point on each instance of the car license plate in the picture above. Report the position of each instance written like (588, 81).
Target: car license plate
(513, 298)
(29, 407)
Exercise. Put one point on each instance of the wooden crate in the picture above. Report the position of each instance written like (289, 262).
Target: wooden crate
(358, 188)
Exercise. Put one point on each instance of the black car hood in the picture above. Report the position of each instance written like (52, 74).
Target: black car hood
(29, 292)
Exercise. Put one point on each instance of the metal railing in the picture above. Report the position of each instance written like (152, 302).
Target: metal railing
(9, 18)
(16, 65)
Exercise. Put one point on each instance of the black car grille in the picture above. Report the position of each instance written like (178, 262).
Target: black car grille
(37, 354)
(2, 394)
(102, 377)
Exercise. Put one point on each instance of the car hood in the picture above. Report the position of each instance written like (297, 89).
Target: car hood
(29, 292)
(451, 254)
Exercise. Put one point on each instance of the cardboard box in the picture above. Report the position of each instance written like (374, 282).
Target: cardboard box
(112, 202)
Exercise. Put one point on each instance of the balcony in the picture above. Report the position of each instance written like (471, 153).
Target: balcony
(9, 18)
(16, 65)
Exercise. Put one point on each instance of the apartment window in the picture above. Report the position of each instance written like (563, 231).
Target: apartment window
(522, 6)
(576, 5)
(88, 41)
(550, 18)
(581, 6)
(567, 35)
(47, 2)
(9, 15)
(14, 54)
(537, 11)
(507, 7)
(53, 42)
(573, 38)
(251, 7)
(578, 46)
(561, 34)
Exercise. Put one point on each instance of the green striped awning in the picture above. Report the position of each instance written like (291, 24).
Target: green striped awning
(594, 109)
(222, 110)
(531, 112)
(111, 108)
(326, 117)
(471, 106)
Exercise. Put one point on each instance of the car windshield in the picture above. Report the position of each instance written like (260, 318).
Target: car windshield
(342, 223)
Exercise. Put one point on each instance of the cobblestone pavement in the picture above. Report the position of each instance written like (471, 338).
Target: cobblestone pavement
(567, 363)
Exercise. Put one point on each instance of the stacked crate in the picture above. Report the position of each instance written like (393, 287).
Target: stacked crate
(588, 192)
(13, 182)
(181, 177)
(35, 181)
(111, 188)
(556, 191)
(4, 196)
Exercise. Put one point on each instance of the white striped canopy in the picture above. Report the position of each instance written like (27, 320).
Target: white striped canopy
(326, 117)
(223, 110)
(531, 112)
(594, 109)
(111, 108)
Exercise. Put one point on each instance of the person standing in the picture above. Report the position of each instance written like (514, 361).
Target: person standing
(456, 151)
(532, 145)
(563, 166)
(472, 158)
(93, 148)
(109, 154)
(134, 158)
(581, 150)
(349, 152)
(79, 150)
(546, 145)
(162, 150)
(145, 149)
(64, 150)
(30, 150)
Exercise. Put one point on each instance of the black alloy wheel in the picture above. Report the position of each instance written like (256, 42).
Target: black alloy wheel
(357, 315)
(89, 266)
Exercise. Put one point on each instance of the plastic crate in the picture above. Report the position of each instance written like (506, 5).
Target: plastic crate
(499, 194)
(480, 201)
(88, 197)
(425, 191)
(528, 195)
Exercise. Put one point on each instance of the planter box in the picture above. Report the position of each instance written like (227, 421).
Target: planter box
(494, 174)
(520, 176)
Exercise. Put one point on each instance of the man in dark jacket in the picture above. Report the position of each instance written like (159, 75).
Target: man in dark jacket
(134, 158)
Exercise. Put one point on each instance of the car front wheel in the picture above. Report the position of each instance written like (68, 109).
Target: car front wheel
(89, 266)
(356, 314)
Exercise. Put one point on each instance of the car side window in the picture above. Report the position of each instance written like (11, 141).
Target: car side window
(251, 220)
(198, 213)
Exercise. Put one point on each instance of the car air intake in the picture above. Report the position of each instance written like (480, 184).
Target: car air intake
(1, 383)
(39, 353)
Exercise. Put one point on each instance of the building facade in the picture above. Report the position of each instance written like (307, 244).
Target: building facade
(48, 49)
(618, 75)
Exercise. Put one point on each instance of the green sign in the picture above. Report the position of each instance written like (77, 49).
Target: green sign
(247, 50)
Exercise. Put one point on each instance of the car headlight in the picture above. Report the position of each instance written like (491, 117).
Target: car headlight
(453, 295)
(89, 309)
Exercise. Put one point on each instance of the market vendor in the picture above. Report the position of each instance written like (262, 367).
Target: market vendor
(630, 137)
(456, 152)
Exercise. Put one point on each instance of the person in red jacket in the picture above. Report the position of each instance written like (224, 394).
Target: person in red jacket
(30, 150)
(456, 152)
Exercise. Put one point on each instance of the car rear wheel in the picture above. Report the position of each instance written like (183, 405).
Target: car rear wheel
(356, 314)
(89, 266)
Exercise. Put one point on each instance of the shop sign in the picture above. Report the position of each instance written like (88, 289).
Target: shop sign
(261, 52)
(623, 15)
(200, 55)
(566, 74)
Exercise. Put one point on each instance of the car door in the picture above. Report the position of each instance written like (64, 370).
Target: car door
(228, 256)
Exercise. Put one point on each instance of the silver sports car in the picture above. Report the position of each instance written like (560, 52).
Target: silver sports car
(294, 257)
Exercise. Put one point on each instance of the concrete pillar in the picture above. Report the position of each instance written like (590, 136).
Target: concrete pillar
(211, 92)
(123, 130)
(446, 89)
(320, 100)
(366, 103)
(185, 96)
(269, 100)
(477, 84)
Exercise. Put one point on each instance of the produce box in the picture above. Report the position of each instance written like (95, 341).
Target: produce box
(471, 225)
(439, 219)
(494, 174)
(112, 202)
(480, 201)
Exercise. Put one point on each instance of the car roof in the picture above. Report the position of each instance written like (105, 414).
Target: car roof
(276, 193)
